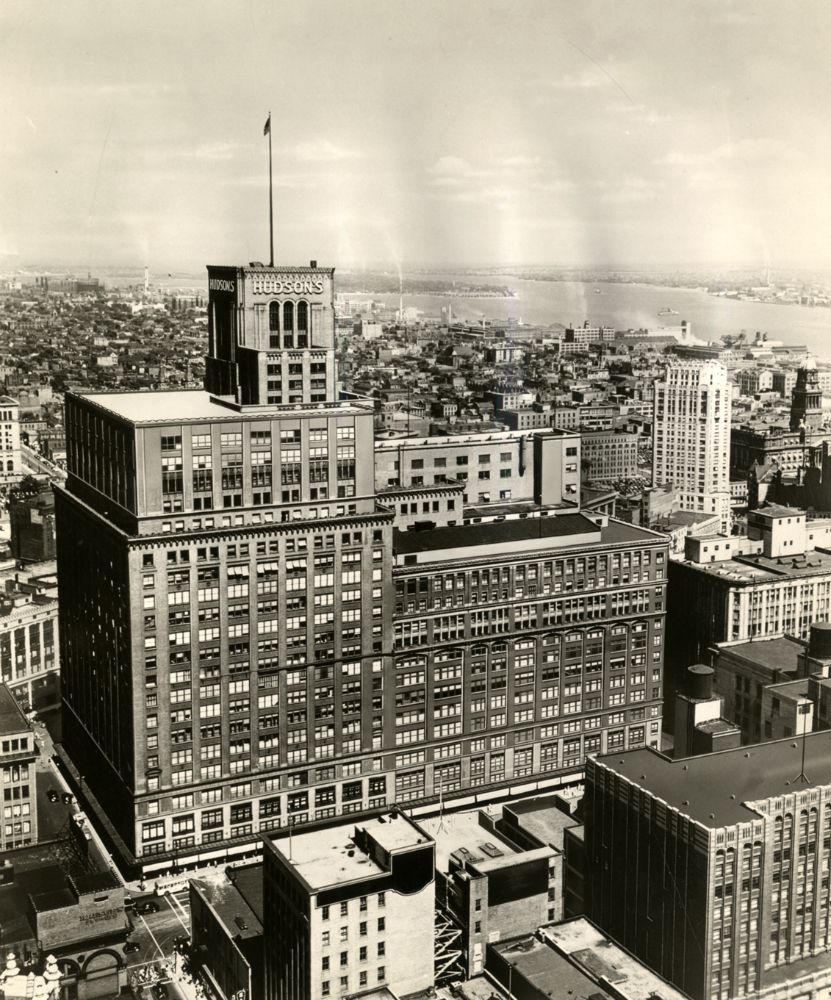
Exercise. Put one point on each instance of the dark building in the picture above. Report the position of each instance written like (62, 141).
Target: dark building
(32, 521)
(713, 870)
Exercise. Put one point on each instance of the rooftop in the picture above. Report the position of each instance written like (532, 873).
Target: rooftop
(773, 655)
(558, 526)
(543, 819)
(177, 405)
(714, 789)
(331, 857)
(547, 971)
(591, 949)
(230, 905)
(454, 831)
(12, 719)
(758, 568)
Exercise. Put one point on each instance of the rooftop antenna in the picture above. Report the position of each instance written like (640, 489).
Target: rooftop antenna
(802, 777)
(440, 827)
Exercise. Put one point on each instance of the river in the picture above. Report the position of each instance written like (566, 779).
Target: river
(633, 306)
(623, 306)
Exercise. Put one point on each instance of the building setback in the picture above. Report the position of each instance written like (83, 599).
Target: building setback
(248, 638)
(713, 870)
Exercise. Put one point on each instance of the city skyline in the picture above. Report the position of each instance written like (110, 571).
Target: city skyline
(479, 133)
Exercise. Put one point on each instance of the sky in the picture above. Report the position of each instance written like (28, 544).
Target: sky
(416, 132)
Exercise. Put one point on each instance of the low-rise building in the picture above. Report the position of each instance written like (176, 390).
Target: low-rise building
(349, 908)
(489, 886)
(79, 919)
(227, 932)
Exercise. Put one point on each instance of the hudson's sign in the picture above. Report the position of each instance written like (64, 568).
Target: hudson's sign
(286, 285)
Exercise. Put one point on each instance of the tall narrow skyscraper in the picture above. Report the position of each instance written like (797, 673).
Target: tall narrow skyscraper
(691, 436)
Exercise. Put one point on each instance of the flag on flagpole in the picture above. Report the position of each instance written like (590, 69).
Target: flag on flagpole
(267, 126)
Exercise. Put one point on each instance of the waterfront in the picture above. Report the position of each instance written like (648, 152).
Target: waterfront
(622, 305)
(632, 306)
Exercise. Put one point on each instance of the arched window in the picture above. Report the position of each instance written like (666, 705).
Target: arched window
(302, 324)
(274, 316)
(288, 317)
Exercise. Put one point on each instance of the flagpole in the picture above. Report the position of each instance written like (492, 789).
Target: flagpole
(270, 200)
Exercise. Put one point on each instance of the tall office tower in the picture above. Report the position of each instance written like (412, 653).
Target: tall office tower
(249, 638)
(691, 436)
(713, 870)
(226, 575)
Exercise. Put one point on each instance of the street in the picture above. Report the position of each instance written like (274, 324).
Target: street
(155, 934)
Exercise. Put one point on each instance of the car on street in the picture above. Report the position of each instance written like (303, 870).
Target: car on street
(67, 798)
(181, 942)
(147, 906)
(52, 795)
(131, 946)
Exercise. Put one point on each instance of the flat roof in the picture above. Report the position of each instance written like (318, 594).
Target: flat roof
(549, 972)
(543, 819)
(181, 405)
(453, 831)
(12, 719)
(558, 526)
(753, 568)
(771, 654)
(331, 856)
(586, 945)
(231, 906)
(712, 789)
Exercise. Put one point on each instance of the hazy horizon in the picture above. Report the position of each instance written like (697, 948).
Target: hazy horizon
(649, 135)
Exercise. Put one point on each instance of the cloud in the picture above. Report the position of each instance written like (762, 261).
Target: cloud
(453, 171)
(746, 150)
(323, 151)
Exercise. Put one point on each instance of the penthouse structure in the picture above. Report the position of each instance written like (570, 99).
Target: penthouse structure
(251, 637)
(712, 870)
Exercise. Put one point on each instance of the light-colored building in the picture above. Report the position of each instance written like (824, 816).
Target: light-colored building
(18, 753)
(349, 908)
(775, 580)
(29, 661)
(498, 466)
(691, 436)
(11, 461)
